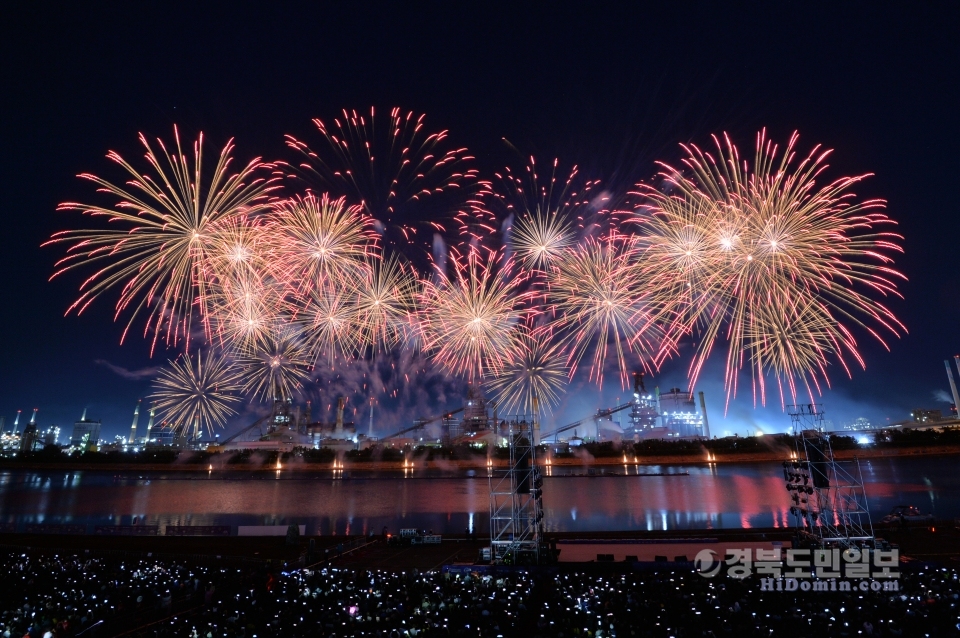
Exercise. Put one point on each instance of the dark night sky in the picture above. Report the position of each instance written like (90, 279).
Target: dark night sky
(611, 89)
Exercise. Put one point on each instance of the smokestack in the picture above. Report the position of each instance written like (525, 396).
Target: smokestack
(953, 385)
(339, 428)
(536, 420)
(370, 430)
(33, 419)
(308, 413)
(150, 422)
(196, 427)
(638, 385)
(16, 423)
(133, 428)
(706, 424)
(83, 417)
(956, 359)
(3, 422)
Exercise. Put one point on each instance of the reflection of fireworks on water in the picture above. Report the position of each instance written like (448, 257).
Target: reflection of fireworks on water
(412, 183)
(536, 369)
(275, 367)
(196, 391)
(158, 255)
(469, 318)
(773, 257)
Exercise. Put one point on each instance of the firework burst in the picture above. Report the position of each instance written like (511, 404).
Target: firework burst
(470, 318)
(317, 243)
(276, 367)
(600, 304)
(246, 310)
(541, 238)
(546, 214)
(328, 323)
(159, 255)
(412, 183)
(386, 303)
(536, 369)
(196, 392)
(777, 265)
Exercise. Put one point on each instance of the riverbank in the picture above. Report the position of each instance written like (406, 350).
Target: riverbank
(583, 460)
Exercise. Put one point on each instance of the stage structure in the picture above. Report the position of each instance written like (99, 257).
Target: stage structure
(829, 501)
(516, 498)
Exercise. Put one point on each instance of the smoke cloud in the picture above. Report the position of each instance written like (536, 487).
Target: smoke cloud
(942, 396)
(133, 375)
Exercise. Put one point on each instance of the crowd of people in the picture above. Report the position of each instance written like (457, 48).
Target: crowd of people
(53, 596)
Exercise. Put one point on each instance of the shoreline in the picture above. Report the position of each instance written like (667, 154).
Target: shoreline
(772, 456)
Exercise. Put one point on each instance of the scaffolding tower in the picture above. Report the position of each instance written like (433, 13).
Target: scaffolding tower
(829, 500)
(516, 499)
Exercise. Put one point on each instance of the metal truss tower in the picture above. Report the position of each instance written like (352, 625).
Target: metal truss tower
(516, 500)
(829, 501)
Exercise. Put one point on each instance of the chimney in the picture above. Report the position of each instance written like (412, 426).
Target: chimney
(370, 430)
(339, 428)
(33, 419)
(83, 417)
(16, 423)
(150, 422)
(638, 386)
(953, 385)
(133, 428)
(706, 423)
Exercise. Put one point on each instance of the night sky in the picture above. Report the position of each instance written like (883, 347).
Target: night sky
(611, 89)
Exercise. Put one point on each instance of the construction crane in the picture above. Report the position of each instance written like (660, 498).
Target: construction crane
(595, 417)
(419, 423)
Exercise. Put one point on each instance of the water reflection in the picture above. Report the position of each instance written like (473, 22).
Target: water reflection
(334, 501)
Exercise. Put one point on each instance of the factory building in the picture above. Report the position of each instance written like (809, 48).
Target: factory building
(86, 432)
(678, 413)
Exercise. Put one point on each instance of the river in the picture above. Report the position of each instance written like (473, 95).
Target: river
(688, 497)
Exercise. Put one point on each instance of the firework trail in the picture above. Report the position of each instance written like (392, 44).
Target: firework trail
(777, 265)
(413, 184)
(158, 251)
(470, 317)
(196, 392)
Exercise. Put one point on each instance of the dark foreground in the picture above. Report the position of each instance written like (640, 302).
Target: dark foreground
(73, 595)
(262, 587)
